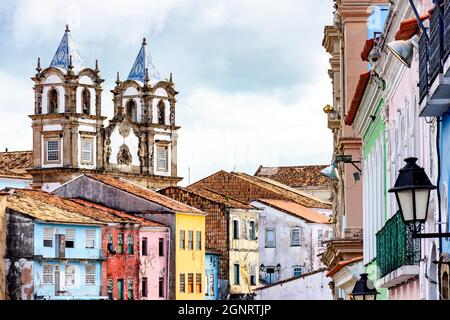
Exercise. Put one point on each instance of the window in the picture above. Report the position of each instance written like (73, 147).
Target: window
(295, 237)
(161, 247)
(53, 101)
(86, 101)
(244, 230)
(130, 289)
(320, 237)
(120, 243)
(110, 243)
(70, 275)
(236, 274)
(110, 289)
(235, 229)
(161, 112)
(190, 240)
(52, 153)
(90, 238)
(298, 271)
(252, 268)
(328, 234)
(47, 274)
(182, 283)
(182, 239)
(144, 246)
(120, 289)
(144, 287)
(190, 283)
(89, 275)
(270, 238)
(130, 244)
(48, 237)
(270, 275)
(198, 283)
(252, 230)
(86, 151)
(131, 110)
(70, 238)
(161, 287)
(162, 155)
(198, 240)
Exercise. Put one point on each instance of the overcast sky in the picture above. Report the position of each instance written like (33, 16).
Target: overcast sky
(252, 74)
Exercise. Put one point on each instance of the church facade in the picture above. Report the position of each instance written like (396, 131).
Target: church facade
(69, 133)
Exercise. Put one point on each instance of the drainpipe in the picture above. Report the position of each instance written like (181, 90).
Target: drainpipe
(168, 265)
(438, 151)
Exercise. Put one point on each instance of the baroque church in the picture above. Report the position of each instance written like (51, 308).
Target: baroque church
(69, 133)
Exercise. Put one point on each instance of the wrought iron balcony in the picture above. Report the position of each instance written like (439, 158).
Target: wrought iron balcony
(395, 246)
(434, 49)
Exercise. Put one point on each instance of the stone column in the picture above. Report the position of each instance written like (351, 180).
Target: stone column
(173, 163)
(37, 145)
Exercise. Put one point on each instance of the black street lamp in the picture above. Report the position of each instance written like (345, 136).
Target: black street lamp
(364, 289)
(412, 191)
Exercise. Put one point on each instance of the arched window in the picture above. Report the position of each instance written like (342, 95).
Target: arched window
(161, 112)
(53, 101)
(131, 110)
(445, 286)
(86, 101)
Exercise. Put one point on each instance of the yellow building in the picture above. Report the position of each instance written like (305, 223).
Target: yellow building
(190, 256)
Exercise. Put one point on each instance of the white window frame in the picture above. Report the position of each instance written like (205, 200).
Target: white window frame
(165, 159)
(298, 241)
(90, 235)
(70, 275)
(89, 152)
(47, 150)
(89, 274)
(48, 274)
(48, 234)
(271, 244)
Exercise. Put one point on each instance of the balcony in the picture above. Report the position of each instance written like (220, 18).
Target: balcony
(398, 254)
(434, 73)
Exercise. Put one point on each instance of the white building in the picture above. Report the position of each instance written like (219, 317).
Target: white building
(290, 238)
(310, 286)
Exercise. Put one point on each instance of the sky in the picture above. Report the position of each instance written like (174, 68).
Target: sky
(252, 74)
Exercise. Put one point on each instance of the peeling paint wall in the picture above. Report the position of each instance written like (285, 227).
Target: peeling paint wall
(19, 257)
(153, 266)
(2, 245)
(243, 251)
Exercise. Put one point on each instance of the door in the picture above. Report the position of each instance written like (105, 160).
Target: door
(120, 289)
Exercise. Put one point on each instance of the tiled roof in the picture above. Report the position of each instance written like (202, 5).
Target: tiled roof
(66, 51)
(215, 197)
(296, 176)
(296, 209)
(247, 188)
(144, 193)
(357, 97)
(31, 203)
(14, 175)
(409, 27)
(340, 265)
(112, 214)
(144, 62)
(16, 160)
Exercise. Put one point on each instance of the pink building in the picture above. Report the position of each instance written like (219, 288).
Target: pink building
(154, 261)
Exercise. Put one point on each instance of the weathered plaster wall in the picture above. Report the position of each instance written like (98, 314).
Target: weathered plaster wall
(154, 266)
(311, 287)
(3, 199)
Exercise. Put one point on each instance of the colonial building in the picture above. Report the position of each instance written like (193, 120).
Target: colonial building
(232, 231)
(51, 252)
(186, 264)
(69, 137)
(353, 22)
(212, 275)
(291, 237)
(304, 178)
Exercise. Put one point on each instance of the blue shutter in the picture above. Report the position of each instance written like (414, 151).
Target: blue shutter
(423, 67)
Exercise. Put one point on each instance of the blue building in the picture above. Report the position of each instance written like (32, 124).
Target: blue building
(212, 275)
(57, 251)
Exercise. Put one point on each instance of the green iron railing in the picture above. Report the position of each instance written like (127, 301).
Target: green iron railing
(395, 246)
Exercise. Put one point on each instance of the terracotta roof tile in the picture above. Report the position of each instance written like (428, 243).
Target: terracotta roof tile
(4, 173)
(409, 27)
(342, 264)
(298, 210)
(357, 97)
(112, 214)
(16, 160)
(296, 176)
(247, 188)
(145, 193)
(367, 48)
(32, 204)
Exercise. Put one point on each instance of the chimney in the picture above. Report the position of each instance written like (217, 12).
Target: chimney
(3, 198)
